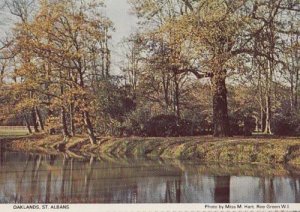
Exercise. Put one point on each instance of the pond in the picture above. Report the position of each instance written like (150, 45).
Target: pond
(35, 178)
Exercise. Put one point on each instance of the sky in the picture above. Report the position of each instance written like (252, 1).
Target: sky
(117, 10)
(124, 23)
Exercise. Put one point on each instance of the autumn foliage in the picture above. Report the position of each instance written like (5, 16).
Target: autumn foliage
(194, 67)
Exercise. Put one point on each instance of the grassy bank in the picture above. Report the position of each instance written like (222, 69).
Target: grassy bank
(6, 132)
(265, 150)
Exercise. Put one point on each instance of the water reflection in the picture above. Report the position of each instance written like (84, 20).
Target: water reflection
(222, 189)
(59, 179)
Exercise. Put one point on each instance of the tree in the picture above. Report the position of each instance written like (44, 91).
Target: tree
(212, 31)
(222, 34)
(24, 11)
(66, 41)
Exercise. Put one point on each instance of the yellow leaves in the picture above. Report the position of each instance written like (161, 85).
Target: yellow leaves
(213, 10)
(25, 104)
(52, 122)
(145, 6)
(56, 54)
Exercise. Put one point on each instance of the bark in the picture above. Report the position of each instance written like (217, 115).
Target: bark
(85, 113)
(28, 125)
(294, 77)
(34, 120)
(292, 93)
(64, 123)
(2, 74)
(72, 125)
(176, 97)
(166, 85)
(268, 98)
(63, 118)
(220, 107)
(107, 54)
(269, 74)
(89, 127)
(296, 90)
(103, 65)
(256, 124)
(268, 115)
(39, 118)
(262, 119)
(297, 77)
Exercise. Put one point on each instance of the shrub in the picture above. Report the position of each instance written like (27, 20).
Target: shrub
(161, 126)
(286, 125)
(170, 125)
(241, 124)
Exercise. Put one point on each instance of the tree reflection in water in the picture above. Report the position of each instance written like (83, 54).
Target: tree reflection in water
(1, 154)
(63, 177)
(87, 178)
(48, 179)
(222, 189)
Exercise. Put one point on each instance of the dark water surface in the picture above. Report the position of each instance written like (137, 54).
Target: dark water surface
(33, 178)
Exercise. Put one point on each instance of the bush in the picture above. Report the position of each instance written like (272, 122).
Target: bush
(241, 124)
(162, 126)
(170, 125)
(286, 125)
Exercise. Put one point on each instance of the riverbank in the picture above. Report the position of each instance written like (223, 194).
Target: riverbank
(263, 150)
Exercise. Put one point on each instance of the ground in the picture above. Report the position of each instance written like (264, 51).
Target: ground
(261, 150)
(12, 132)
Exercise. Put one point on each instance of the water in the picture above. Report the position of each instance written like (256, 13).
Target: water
(33, 178)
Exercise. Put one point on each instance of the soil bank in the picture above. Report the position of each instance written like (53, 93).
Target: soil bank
(264, 150)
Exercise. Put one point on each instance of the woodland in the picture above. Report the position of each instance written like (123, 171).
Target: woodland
(193, 67)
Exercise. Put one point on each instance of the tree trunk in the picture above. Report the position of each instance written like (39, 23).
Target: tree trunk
(166, 85)
(176, 97)
(296, 90)
(292, 91)
(297, 76)
(268, 98)
(107, 55)
(64, 123)
(256, 124)
(34, 121)
(2, 74)
(220, 108)
(85, 114)
(269, 76)
(72, 125)
(261, 102)
(39, 118)
(89, 128)
(268, 115)
(262, 119)
(27, 125)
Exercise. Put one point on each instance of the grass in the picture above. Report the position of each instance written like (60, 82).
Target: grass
(256, 149)
(4, 133)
